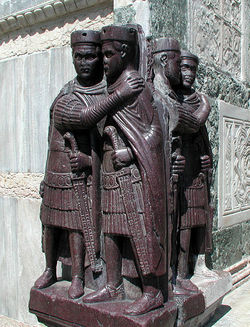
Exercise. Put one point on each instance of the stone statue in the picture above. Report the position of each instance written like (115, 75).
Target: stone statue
(126, 188)
(166, 77)
(195, 224)
(73, 166)
(174, 119)
(133, 179)
(183, 113)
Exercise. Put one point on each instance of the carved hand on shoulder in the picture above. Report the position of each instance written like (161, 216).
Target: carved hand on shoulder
(131, 88)
(122, 158)
(79, 161)
(205, 163)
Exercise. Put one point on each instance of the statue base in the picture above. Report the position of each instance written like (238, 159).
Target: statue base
(214, 286)
(189, 306)
(54, 308)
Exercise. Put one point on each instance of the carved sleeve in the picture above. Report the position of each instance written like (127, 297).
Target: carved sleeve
(71, 114)
(187, 122)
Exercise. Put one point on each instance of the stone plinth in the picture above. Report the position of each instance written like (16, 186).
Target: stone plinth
(53, 308)
(214, 285)
(190, 303)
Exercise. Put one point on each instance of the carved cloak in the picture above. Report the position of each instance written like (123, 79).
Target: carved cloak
(140, 125)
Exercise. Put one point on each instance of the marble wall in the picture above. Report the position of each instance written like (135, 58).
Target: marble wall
(29, 85)
(234, 165)
(8, 7)
(21, 257)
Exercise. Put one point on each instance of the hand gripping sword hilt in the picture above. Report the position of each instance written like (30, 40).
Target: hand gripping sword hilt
(70, 137)
(112, 133)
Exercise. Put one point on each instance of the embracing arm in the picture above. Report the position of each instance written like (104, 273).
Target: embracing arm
(187, 122)
(190, 122)
(72, 114)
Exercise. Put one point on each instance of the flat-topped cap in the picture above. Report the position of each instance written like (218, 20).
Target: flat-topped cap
(188, 55)
(165, 44)
(85, 36)
(119, 33)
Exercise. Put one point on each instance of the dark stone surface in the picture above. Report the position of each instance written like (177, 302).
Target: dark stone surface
(212, 125)
(222, 86)
(53, 307)
(169, 18)
(230, 245)
(227, 244)
(124, 15)
(246, 238)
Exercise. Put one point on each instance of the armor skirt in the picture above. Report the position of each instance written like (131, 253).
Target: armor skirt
(193, 213)
(114, 212)
(59, 206)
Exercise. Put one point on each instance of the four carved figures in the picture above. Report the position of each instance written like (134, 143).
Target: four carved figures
(128, 170)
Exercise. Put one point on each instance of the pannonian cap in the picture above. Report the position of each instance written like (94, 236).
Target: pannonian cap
(188, 55)
(119, 33)
(85, 36)
(165, 44)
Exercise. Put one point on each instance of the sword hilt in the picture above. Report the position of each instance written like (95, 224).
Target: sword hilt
(70, 137)
(112, 133)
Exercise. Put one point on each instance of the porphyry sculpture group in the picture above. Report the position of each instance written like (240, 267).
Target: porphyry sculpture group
(126, 189)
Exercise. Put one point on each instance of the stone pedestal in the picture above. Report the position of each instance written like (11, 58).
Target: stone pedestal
(53, 308)
(214, 285)
(189, 306)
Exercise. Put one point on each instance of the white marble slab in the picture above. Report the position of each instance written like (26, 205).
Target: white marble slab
(234, 168)
(29, 84)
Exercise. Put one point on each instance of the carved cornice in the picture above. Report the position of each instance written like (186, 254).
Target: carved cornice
(43, 12)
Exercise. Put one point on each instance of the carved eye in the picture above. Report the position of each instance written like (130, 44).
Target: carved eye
(184, 67)
(77, 56)
(84, 34)
(108, 54)
(90, 56)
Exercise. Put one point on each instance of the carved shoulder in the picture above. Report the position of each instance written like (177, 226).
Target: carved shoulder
(204, 109)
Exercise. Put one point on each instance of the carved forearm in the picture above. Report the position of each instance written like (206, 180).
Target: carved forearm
(93, 114)
(72, 115)
(187, 122)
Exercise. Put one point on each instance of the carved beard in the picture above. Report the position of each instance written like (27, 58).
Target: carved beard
(173, 78)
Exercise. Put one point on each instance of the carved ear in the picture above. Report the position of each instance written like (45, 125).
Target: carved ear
(164, 59)
(124, 50)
